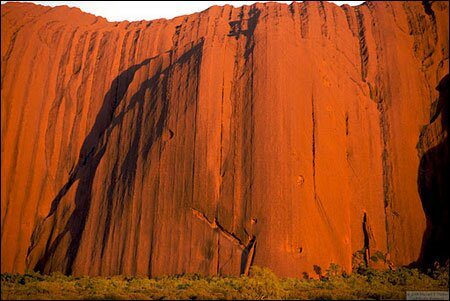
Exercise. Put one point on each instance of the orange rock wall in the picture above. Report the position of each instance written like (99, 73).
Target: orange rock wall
(165, 146)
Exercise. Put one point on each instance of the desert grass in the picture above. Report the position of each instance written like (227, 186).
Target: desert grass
(261, 284)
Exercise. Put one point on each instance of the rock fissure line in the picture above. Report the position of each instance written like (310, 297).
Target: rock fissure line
(363, 50)
(313, 150)
(216, 225)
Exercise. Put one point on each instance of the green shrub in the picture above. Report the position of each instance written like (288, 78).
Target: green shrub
(262, 284)
(334, 270)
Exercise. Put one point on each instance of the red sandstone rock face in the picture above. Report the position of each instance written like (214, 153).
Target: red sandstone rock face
(283, 135)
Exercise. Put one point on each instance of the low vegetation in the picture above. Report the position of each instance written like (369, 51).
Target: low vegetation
(332, 283)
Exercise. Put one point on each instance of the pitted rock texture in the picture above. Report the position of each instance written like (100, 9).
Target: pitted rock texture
(277, 135)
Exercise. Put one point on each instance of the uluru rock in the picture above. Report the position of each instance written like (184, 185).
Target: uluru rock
(283, 136)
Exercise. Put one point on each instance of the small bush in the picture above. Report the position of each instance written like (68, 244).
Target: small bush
(334, 270)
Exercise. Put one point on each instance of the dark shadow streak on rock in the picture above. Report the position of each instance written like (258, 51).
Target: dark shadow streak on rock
(247, 255)
(95, 145)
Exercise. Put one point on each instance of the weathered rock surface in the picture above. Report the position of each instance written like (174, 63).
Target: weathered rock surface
(277, 135)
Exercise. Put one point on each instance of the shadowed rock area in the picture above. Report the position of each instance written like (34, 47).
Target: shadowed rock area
(283, 136)
(433, 179)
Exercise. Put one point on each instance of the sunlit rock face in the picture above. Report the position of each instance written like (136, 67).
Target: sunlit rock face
(283, 136)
